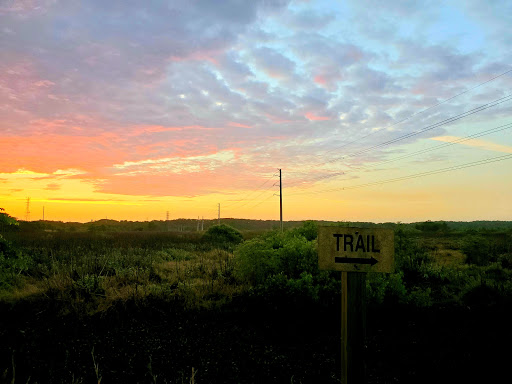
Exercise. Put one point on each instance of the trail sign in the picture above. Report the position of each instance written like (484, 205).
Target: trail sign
(356, 249)
(352, 250)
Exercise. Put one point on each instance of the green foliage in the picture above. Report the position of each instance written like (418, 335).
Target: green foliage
(308, 230)
(288, 253)
(6, 249)
(12, 263)
(483, 250)
(222, 236)
(414, 261)
(414, 272)
(386, 288)
(7, 222)
(286, 265)
(432, 226)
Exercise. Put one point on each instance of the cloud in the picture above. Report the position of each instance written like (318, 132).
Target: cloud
(53, 187)
(311, 116)
(476, 143)
(139, 97)
(273, 63)
(191, 164)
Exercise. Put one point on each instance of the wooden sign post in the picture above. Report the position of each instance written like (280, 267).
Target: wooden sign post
(354, 252)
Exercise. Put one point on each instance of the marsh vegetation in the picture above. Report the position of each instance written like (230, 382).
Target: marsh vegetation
(232, 306)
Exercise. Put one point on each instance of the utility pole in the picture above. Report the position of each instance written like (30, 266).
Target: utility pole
(167, 221)
(219, 213)
(202, 223)
(281, 199)
(197, 223)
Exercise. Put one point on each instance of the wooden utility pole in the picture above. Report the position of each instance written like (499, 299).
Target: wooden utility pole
(281, 199)
(353, 327)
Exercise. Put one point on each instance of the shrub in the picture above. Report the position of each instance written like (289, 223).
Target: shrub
(413, 261)
(308, 230)
(222, 236)
(276, 253)
(477, 250)
(286, 265)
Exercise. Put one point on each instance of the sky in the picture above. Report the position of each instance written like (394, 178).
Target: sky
(373, 111)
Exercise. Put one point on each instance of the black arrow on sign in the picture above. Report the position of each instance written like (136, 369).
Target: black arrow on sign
(355, 260)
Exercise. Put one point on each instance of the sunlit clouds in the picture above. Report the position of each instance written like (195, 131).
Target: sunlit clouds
(138, 109)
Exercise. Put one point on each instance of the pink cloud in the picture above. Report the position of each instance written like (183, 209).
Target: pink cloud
(199, 56)
(139, 130)
(239, 125)
(320, 79)
(313, 117)
(277, 119)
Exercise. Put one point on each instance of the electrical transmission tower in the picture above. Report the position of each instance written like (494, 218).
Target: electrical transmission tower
(27, 210)
(281, 199)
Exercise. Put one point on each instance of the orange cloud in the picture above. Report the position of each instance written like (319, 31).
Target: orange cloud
(53, 187)
(51, 152)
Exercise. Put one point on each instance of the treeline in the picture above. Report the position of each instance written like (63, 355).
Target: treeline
(190, 225)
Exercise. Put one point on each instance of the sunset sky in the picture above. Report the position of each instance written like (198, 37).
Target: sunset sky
(375, 111)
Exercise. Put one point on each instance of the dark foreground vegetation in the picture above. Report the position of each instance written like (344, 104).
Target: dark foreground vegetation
(247, 307)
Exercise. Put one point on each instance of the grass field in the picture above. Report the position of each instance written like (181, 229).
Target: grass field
(249, 307)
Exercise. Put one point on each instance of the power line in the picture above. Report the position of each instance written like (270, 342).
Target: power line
(250, 193)
(418, 175)
(261, 202)
(256, 197)
(443, 122)
(421, 151)
(430, 127)
(420, 112)
(417, 113)
(478, 109)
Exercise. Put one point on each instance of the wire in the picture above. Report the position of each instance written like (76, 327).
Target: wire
(247, 202)
(480, 108)
(421, 151)
(420, 112)
(417, 175)
(249, 194)
(261, 202)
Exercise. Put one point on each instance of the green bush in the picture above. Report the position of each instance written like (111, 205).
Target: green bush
(308, 230)
(415, 262)
(222, 236)
(275, 253)
(478, 250)
(285, 264)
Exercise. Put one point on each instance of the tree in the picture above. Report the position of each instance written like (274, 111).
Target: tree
(7, 222)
